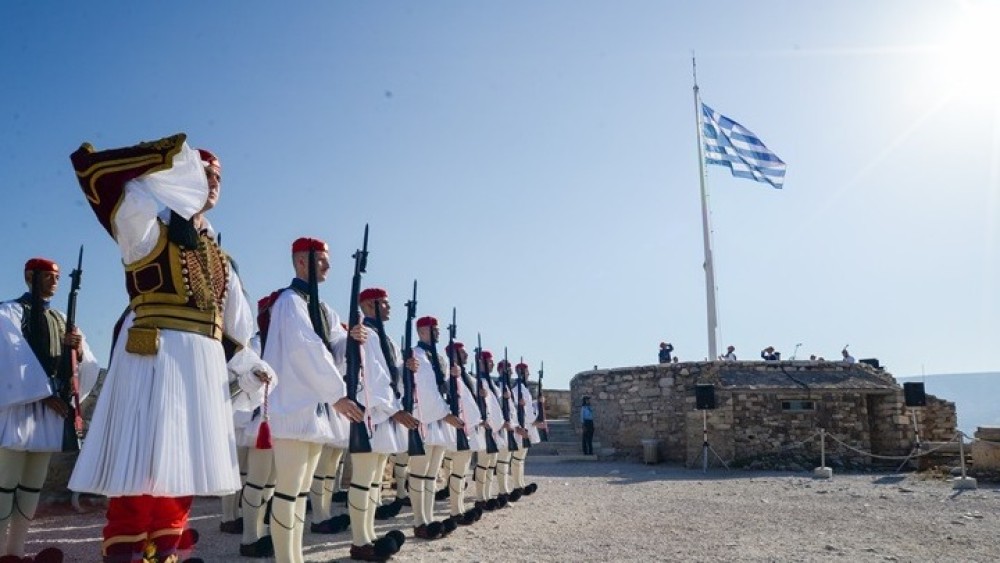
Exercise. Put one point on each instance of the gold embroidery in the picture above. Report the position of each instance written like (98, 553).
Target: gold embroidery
(143, 341)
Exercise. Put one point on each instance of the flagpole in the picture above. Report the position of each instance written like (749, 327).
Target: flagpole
(713, 322)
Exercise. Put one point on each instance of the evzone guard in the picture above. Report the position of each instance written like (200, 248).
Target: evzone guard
(306, 344)
(527, 419)
(387, 423)
(162, 431)
(34, 410)
(489, 497)
(438, 430)
(462, 391)
(507, 441)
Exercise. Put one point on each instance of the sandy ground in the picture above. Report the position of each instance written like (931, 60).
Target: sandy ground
(625, 511)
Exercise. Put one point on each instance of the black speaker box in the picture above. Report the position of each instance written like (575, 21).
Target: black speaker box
(873, 362)
(704, 396)
(913, 393)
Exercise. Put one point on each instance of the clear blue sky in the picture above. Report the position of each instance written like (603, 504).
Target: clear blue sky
(534, 163)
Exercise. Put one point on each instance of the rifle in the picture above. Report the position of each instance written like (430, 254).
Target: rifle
(415, 444)
(491, 443)
(386, 347)
(360, 442)
(68, 374)
(543, 433)
(504, 406)
(520, 408)
(461, 439)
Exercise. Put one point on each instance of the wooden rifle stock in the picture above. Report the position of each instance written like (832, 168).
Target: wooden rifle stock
(68, 374)
(461, 438)
(415, 443)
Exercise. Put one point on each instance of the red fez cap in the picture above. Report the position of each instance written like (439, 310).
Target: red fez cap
(521, 365)
(305, 244)
(486, 354)
(372, 293)
(209, 159)
(426, 321)
(41, 265)
(503, 364)
(458, 346)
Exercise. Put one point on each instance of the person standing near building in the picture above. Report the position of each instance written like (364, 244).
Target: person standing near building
(32, 411)
(665, 349)
(769, 354)
(730, 355)
(587, 419)
(848, 358)
(162, 431)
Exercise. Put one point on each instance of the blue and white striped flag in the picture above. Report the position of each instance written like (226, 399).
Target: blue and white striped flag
(728, 143)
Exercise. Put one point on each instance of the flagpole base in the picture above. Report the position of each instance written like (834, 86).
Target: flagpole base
(965, 484)
(823, 473)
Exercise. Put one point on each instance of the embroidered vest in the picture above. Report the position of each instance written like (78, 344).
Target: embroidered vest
(46, 340)
(180, 288)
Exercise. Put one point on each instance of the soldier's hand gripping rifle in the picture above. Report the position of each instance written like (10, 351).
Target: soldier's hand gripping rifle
(68, 375)
(521, 382)
(415, 444)
(360, 439)
(543, 432)
(504, 405)
(461, 439)
(482, 388)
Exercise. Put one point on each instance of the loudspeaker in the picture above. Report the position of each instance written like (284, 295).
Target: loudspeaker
(704, 396)
(914, 394)
(873, 362)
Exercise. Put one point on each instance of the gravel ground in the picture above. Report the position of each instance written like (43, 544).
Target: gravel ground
(625, 511)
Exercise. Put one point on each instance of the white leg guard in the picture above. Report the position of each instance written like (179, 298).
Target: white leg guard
(503, 472)
(492, 489)
(317, 489)
(446, 469)
(300, 523)
(295, 463)
(417, 467)
(436, 457)
(36, 467)
(333, 477)
(362, 512)
(481, 474)
(260, 465)
(375, 495)
(399, 473)
(11, 468)
(517, 468)
(456, 481)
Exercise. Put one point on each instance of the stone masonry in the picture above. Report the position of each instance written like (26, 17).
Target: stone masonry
(763, 409)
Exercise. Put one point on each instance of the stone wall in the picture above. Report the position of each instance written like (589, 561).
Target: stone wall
(557, 403)
(657, 402)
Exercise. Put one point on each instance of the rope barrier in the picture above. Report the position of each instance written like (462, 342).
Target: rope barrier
(956, 438)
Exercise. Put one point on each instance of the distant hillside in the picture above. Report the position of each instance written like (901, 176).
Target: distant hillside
(975, 396)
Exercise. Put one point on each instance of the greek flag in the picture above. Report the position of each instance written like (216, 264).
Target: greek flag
(728, 143)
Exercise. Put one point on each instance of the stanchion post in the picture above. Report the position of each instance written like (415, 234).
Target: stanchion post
(964, 482)
(822, 472)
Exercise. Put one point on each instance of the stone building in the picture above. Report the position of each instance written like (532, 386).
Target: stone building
(762, 409)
